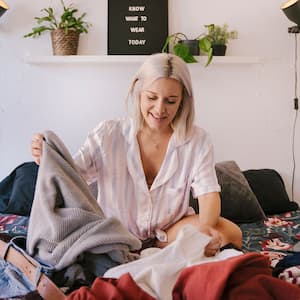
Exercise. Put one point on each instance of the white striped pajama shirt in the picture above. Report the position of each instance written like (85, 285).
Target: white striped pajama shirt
(111, 156)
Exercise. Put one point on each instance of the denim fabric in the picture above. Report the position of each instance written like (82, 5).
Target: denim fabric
(19, 243)
(12, 281)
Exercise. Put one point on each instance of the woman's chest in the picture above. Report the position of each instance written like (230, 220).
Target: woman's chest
(152, 158)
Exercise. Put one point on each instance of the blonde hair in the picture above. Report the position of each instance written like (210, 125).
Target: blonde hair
(165, 65)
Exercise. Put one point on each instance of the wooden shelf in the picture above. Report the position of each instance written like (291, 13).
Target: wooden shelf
(129, 59)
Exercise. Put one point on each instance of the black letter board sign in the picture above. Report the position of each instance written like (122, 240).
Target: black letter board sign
(137, 26)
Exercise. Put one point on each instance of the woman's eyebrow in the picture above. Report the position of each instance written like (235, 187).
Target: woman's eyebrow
(148, 91)
(171, 96)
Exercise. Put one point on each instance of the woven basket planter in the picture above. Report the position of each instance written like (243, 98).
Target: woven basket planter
(64, 43)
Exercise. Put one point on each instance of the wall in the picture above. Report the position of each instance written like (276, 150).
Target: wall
(248, 109)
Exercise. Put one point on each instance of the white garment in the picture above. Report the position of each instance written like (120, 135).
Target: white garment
(157, 273)
(111, 156)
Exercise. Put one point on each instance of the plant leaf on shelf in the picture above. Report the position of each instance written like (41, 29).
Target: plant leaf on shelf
(183, 51)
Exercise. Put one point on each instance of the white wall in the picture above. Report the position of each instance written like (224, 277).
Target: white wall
(248, 109)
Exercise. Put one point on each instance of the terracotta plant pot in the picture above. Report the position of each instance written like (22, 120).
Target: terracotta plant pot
(64, 43)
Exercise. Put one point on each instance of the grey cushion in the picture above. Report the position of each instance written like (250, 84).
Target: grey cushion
(239, 204)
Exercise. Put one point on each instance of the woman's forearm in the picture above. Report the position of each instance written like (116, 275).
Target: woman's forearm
(209, 209)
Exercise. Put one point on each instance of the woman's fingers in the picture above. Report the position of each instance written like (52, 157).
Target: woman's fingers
(36, 147)
(212, 249)
(215, 243)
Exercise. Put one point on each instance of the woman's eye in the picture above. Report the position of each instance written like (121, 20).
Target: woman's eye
(171, 101)
(151, 98)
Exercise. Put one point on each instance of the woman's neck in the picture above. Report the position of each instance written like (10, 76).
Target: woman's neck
(157, 138)
(156, 133)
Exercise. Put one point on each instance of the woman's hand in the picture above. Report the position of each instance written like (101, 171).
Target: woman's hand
(36, 147)
(214, 245)
(209, 216)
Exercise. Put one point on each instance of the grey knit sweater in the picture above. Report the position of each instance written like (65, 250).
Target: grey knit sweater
(65, 220)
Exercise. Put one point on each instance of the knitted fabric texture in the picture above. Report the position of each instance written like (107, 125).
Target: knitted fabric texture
(66, 220)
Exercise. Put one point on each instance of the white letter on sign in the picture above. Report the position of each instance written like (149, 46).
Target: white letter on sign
(136, 8)
(137, 29)
(136, 42)
(131, 18)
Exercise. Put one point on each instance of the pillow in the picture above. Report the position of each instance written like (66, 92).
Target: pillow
(270, 191)
(238, 202)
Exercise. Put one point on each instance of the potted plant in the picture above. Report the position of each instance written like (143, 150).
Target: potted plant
(219, 36)
(64, 31)
(186, 48)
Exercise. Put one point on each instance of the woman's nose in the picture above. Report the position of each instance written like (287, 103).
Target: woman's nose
(160, 107)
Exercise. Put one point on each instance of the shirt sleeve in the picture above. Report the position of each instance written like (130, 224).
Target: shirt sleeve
(204, 178)
(88, 157)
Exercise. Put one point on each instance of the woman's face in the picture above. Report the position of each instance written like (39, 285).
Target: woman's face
(159, 102)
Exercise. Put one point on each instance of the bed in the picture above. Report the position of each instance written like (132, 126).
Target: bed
(274, 237)
(271, 230)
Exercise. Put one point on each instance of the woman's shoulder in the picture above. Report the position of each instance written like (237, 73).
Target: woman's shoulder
(109, 127)
(199, 134)
(199, 140)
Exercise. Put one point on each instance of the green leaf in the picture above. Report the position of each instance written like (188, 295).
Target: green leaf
(183, 51)
(190, 59)
(164, 48)
(205, 45)
(68, 20)
(36, 31)
(209, 57)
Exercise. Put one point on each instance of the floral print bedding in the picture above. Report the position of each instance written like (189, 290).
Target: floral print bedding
(13, 225)
(274, 237)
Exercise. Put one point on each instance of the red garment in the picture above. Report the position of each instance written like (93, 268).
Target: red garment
(243, 277)
(123, 288)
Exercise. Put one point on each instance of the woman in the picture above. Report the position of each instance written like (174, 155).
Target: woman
(146, 166)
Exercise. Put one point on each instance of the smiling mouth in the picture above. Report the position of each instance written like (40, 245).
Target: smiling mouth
(158, 118)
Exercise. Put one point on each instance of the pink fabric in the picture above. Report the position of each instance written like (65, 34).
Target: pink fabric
(243, 277)
(123, 288)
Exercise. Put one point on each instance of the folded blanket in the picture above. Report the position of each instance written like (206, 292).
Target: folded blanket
(242, 277)
(124, 288)
(66, 220)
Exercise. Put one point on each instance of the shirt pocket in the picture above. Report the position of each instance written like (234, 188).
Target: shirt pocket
(177, 199)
